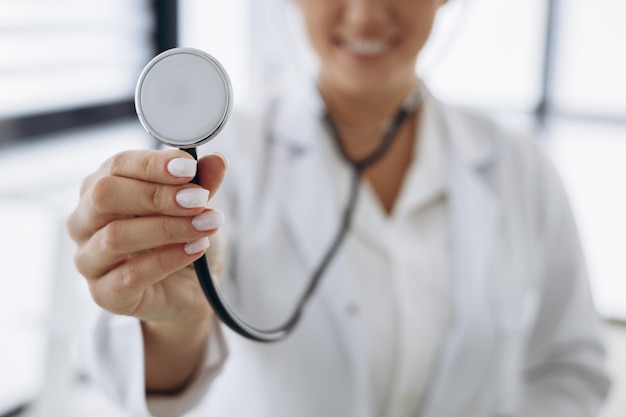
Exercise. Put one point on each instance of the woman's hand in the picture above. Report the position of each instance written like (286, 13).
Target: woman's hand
(139, 226)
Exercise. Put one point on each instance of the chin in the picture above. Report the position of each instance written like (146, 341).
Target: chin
(364, 79)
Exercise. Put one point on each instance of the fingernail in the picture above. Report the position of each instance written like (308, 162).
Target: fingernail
(197, 246)
(182, 167)
(192, 197)
(208, 220)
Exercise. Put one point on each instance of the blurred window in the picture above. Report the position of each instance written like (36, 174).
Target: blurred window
(488, 53)
(590, 67)
(63, 64)
(586, 126)
(70, 53)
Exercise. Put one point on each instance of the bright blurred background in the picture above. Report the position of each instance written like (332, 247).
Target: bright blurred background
(67, 74)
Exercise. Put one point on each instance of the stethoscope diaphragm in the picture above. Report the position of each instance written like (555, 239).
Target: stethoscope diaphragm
(183, 97)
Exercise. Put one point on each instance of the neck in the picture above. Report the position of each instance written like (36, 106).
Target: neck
(367, 108)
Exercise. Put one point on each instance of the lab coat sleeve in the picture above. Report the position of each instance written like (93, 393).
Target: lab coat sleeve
(113, 360)
(564, 373)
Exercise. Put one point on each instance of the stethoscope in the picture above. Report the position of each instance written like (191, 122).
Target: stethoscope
(183, 99)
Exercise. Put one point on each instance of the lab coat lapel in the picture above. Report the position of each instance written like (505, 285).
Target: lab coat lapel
(306, 198)
(313, 216)
(465, 360)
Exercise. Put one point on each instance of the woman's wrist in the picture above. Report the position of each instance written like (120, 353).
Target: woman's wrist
(173, 351)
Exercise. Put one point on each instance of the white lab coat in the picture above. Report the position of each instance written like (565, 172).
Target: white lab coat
(525, 339)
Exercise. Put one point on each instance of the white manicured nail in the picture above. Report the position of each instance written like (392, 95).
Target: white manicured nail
(197, 246)
(182, 167)
(192, 197)
(208, 220)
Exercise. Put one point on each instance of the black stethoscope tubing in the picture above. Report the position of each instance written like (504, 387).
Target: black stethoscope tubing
(212, 293)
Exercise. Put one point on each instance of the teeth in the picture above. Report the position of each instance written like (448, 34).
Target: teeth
(363, 47)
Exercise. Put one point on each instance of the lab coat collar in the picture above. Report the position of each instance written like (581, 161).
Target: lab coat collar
(474, 150)
(308, 106)
(297, 121)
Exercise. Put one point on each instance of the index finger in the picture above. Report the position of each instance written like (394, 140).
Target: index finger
(170, 166)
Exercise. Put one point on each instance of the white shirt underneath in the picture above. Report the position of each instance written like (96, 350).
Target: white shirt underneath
(401, 276)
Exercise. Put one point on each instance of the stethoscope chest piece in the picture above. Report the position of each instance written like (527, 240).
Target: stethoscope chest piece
(183, 97)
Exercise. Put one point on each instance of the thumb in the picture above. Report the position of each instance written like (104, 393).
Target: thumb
(212, 169)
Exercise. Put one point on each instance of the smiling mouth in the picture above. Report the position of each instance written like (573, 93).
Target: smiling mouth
(366, 47)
